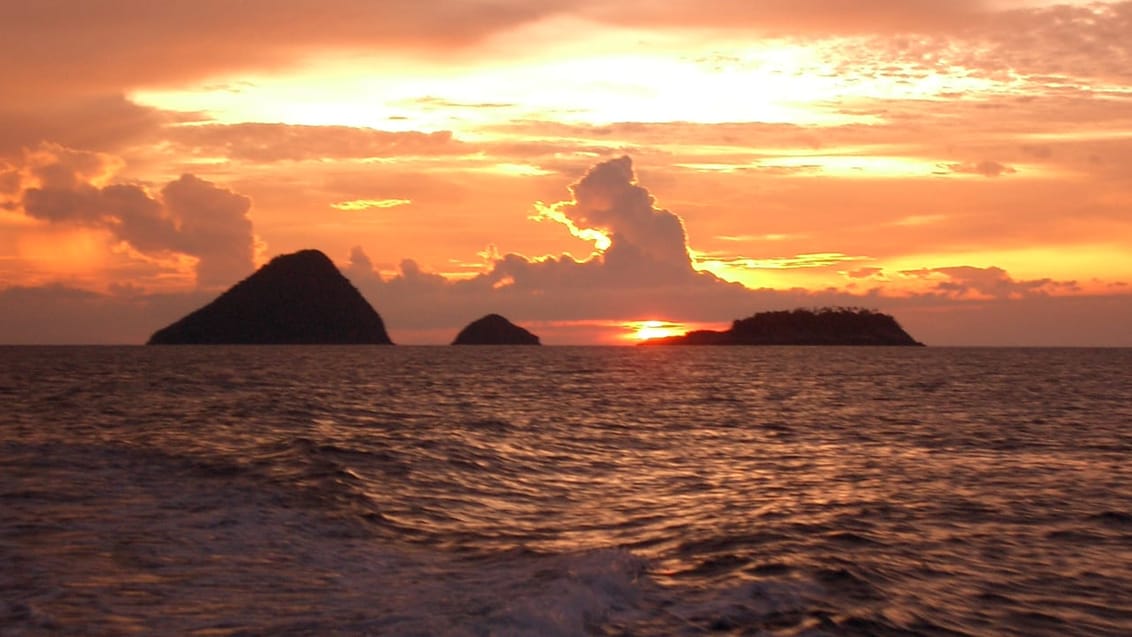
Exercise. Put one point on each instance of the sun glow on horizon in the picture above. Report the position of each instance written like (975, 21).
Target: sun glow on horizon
(648, 330)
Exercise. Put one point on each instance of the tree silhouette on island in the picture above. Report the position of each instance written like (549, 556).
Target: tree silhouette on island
(824, 326)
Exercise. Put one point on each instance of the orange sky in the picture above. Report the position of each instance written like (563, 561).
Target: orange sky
(581, 167)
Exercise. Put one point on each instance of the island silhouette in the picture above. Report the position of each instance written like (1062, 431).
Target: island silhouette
(298, 298)
(823, 326)
(302, 298)
(493, 329)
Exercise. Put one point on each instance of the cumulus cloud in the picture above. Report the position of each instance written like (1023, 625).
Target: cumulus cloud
(645, 272)
(214, 227)
(639, 238)
(640, 267)
(190, 216)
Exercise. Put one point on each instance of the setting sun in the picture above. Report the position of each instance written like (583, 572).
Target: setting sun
(646, 330)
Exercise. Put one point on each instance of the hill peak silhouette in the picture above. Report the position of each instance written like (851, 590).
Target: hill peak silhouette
(298, 298)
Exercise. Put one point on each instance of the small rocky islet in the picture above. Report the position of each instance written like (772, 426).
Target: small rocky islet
(493, 329)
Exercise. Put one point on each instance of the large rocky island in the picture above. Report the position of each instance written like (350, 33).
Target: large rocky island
(493, 329)
(827, 326)
(298, 298)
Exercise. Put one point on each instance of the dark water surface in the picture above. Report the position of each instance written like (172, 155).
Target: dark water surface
(565, 491)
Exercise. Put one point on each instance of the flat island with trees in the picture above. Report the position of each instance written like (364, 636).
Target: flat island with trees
(823, 326)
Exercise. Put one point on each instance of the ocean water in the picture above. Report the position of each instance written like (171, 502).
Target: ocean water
(565, 491)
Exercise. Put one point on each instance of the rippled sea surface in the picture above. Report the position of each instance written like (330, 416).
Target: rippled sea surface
(565, 491)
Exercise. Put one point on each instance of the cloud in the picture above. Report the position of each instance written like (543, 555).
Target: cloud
(1087, 40)
(641, 268)
(57, 47)
(812, 260)
(9, 180)
(1067, 49)
(639, 237)
(866, 273)
(645, 273)
(59, 314)
(365, 204)
(104, 123)
(1033, 321)
(56, 166)
(214, 227)
(750, 137)
(191, 216)
(992, 282)
(283, 142)
(567, 301)
(808, 17)
(985, 168)
(114, 47)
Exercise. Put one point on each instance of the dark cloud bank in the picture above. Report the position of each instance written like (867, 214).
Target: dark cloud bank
(643, 271)
(190, 216)
(646, 273)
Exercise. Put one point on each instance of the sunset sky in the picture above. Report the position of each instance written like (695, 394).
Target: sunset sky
(586, 168)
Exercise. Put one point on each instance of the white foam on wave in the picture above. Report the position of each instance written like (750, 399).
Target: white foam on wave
(569, 594)
(168, 547)
(762, 604)
(164, 547)
(516, 593)
(603, 591)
